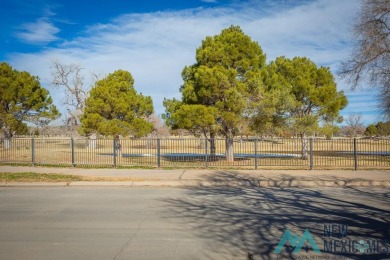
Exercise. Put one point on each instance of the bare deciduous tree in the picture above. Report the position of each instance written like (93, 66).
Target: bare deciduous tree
(160, 129)
(370, 59)
(354, 121)
(72, 79)
(42, 122)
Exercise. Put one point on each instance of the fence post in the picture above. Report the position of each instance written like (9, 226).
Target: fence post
(311, 153)
(206, 158)
(72, 145)
(114, 154)
(33, 151)
(256, 153)
(158, 153)
(355, 154)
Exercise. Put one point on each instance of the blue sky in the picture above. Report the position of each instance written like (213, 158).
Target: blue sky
(155, 39)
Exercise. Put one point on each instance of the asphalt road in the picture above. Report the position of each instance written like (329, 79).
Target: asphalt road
(186, 223)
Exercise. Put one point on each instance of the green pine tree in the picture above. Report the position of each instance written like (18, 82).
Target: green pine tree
(217, 86)
(314, 91)
(114, 107)
(22, 98)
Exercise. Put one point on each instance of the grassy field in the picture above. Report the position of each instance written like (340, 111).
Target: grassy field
(175, 152)
(53, 177)
(37, 177)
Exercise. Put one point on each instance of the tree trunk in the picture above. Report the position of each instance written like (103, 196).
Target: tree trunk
(304, 146)
(212, 147)
(229, 148)
(7, 139)
(7, 143)
(92, 141)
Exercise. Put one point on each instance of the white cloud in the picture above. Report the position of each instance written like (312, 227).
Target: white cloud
(318, 30)
(155, 47)
(40, 32)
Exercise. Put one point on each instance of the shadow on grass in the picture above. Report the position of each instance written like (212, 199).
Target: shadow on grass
(248, 222)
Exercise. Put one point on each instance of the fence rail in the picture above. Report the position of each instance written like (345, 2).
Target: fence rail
(176, 152)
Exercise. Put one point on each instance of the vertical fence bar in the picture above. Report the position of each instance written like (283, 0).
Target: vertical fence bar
(33, 151)
(355, 153)
(114, 153)
(256, 162)
(158, 153)
(311, 153)
(72, 147)
(206, 157)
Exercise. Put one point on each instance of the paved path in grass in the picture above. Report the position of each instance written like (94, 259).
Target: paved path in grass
(206, 177)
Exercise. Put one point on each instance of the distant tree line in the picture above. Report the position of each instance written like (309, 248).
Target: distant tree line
(381, 129)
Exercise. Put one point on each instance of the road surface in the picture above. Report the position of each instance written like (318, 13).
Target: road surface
(185, 223)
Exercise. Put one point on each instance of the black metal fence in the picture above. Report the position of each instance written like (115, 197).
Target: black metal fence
(185, 152)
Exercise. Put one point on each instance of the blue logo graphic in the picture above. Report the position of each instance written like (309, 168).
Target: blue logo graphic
(297, 242)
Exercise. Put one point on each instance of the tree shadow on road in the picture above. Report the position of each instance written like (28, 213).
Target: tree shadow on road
(252, 220)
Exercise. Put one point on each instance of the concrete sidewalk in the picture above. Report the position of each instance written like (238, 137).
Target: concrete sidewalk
(206, 177)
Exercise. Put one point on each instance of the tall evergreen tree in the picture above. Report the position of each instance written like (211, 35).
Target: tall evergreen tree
(314, 91)
(217, 86)
(114, 107)
(21, 99)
